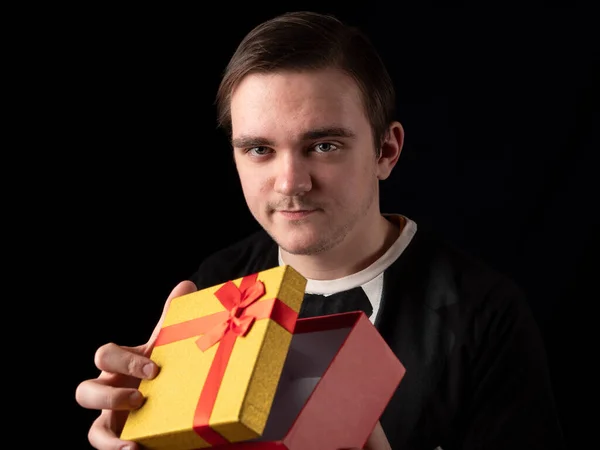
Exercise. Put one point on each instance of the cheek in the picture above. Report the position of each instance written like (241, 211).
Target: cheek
(359, 189)
(253, 184)
(335, 187)
(349, 183)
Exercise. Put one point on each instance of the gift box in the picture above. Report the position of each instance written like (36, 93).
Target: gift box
(221, 351)
(338, 378)
(239, 371)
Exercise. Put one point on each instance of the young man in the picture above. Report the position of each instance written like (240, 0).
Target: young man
(309, 107)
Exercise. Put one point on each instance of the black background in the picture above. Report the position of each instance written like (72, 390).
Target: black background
(137, 186)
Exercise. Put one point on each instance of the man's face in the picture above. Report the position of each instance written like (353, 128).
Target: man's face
(304, 153)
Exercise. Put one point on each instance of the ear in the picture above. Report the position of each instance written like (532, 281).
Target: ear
(390, 150)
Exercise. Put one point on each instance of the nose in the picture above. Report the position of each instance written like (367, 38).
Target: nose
(292, 177)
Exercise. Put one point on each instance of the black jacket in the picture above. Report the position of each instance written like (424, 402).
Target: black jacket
(476, 370)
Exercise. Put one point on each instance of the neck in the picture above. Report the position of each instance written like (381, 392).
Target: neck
(365, 244)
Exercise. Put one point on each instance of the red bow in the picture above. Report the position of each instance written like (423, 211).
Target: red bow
(240, 319)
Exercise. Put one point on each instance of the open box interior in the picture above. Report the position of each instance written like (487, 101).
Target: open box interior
(308, 358)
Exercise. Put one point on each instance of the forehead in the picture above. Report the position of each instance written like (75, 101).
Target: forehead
(291, 102)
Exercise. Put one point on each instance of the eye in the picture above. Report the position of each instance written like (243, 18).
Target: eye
(325, 147)
(259, 151)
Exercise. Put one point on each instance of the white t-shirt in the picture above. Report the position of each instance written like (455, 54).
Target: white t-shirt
(370, 278)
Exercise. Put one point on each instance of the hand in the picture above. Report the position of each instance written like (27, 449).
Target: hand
(377, 440)
(114, 391)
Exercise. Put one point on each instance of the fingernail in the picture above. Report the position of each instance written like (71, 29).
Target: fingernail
(136, 399)
(148, 370)
(127, 447)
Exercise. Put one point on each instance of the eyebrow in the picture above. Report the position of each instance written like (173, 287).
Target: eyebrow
(246, 141)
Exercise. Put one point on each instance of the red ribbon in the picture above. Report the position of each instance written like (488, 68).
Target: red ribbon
(242, 310)
(236, 301)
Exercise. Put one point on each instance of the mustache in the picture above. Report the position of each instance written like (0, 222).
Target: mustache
(293, 204)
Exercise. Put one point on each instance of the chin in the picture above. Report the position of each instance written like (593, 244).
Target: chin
(294, 241)
(302, 243)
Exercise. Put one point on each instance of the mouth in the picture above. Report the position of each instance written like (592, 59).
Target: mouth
(296, 214)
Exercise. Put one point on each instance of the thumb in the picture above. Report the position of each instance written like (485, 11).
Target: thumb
(183, 288)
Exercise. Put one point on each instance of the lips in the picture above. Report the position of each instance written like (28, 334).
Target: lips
(296, 214)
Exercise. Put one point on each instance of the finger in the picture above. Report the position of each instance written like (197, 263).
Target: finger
(103, 433)
(378, 439)
(113, 359)
(183, 288)
(94, 394)
(135, 361)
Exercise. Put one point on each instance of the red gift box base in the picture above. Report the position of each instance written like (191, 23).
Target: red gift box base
(337, 380)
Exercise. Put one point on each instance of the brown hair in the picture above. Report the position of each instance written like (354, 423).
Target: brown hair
(311, 41)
